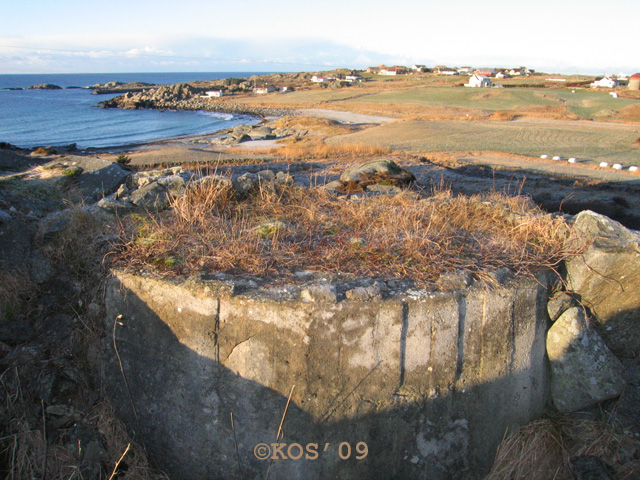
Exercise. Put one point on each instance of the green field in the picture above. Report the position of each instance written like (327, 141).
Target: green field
(588, 143)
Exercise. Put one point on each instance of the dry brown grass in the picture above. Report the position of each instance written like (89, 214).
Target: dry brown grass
(14, 287)
(320, 150)
(543, 450)
(31, 448)
(278, 231)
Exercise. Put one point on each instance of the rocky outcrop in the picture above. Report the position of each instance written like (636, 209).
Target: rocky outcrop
(119, 87)
(44, 86)
(606, 278)
(584, 371)
(380, 175)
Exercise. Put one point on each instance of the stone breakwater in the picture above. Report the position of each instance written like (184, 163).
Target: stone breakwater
(186, 97)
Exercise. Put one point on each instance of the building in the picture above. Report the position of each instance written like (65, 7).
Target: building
(214, 93)
(264, 90)
(501, 75)
(478, 81)
(392, 70)
(419, 68)
(486, 72)
(465, 70)
(448, 71)
(606, 82)
(634, 82)
(322, 79)
(353, 78)
(516, 72)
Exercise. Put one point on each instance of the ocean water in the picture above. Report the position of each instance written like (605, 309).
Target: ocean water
(30, 118)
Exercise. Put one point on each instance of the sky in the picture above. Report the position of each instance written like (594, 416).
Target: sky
(72, 36)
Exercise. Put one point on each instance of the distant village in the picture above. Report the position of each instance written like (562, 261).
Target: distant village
(478, 78)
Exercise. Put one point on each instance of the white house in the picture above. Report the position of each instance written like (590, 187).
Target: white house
(322, 79)
(606, 82)
(501, 75)
(264, 90)
(516, 72)
(353, 78)
(214, 93)
(478, 81)
(465, 70)
(448, 71)
(486, 72)
(419, 68)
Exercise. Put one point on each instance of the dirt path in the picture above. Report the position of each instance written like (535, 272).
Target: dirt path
(346, 117)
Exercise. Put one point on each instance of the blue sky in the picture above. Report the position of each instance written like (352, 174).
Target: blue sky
(71, 36)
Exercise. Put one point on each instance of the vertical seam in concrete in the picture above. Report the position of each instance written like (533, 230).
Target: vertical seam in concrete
(482, 333)
(462, 315)
(512, 361)
(403, 341)
(432, 339)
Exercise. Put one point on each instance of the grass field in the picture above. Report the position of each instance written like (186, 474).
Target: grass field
(407, 98)
(591, 143)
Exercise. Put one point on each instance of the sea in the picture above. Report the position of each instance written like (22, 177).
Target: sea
(31, 118)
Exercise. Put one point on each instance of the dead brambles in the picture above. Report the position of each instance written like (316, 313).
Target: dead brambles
(211, 229)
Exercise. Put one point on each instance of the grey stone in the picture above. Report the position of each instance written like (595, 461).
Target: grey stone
(112, 205)
(584, 371)
(284, 178)
(335, 185)
(320, 293)
(607, 279)
(16, 332)
(377, 171)
(456, 280)
(364, 293)
(266, 175)
(559, 304)
(4, 216)
(175, 184)
(245, 183)
(388, 189)
(588, 467)
(151, 197)
(99, 177)
(40, 268)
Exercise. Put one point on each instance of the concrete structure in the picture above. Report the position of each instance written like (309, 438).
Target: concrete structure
(634, 82)
(429, 381)
(448, 71)
(353, 78)
(215, 93)
(478, 81)
(322, 79)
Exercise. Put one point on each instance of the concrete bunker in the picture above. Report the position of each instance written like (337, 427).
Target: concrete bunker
(429, 381)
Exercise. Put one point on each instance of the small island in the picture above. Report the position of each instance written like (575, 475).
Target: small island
(44, 86)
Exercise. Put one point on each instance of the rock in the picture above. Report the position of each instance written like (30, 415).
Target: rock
(245, 183)
(111, 205)
(266, 176)
(320, 294)
(364, 293)
(4, 216)
(40, 268)
(98, 177)
(16, 332)
(44, 86)
(261, 133)
(210, 181)
(388, 189)
(607, 279)
(381, 171)
(559, 304)
(175, 184)
(336, 185)
(456, 280)
(284, 178)
(151, 197)
(588, 467)
(584, 371)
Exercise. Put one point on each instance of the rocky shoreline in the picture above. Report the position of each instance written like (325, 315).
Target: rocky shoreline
(186, 97)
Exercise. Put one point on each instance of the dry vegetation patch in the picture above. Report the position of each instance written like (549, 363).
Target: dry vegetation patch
(545, 448)
(280, 230)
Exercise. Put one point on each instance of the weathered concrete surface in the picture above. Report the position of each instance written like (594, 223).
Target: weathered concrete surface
(429, 381)
(584, 371)
(607, 279)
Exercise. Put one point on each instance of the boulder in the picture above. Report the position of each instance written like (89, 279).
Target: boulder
(584, 371)
(606, 277)
(380, 171)
(559, 304)
(151, 197)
